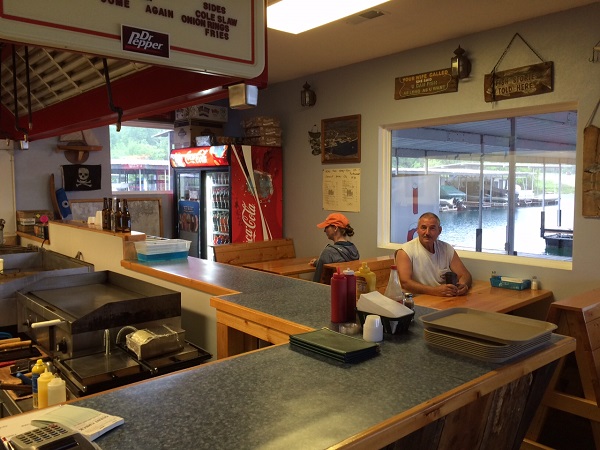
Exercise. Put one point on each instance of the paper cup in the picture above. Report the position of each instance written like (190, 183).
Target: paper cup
(373, 329)
(98, 220)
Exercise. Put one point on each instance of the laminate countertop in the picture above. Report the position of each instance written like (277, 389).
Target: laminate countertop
(293, 299)
(280, 397)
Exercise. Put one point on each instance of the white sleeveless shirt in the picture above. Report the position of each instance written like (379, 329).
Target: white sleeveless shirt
(429, 268)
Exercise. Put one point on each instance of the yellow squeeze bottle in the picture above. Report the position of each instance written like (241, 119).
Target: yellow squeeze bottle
(365, 280)
(36, 371)
(43, 381)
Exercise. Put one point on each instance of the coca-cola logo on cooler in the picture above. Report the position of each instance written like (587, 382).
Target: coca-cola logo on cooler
(249, 220)
(144, 41)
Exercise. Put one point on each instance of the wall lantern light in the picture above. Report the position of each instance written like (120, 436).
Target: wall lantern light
(461, 66)
(308, 96)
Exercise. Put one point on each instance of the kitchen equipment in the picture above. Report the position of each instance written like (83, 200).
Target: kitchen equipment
(16, 387)
(72, 317)
(23, 266)
(52, 436)
(492, 326)
(25, 350)
(161, 249)
(6, 249)
(488, 336)
(227, 194)
(481, 349)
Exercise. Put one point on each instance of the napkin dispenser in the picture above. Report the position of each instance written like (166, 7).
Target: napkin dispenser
(395, 316)
(377, 303)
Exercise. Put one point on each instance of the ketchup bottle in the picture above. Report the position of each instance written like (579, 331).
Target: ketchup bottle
(350, 295)
(339, 292)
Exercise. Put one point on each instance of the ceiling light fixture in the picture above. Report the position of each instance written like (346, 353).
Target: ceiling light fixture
(297, 16)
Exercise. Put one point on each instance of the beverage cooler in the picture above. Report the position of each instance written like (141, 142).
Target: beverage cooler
(229, 193)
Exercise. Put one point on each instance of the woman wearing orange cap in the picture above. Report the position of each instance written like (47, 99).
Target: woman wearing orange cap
(337, 228)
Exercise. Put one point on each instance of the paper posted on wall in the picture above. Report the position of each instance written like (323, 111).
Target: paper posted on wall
(341, 190)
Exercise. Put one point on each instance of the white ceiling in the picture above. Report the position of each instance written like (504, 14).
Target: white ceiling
(406, 24)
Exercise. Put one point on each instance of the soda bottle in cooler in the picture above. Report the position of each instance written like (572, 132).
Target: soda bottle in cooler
(215, 221)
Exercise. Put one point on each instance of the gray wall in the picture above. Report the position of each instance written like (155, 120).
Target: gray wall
(34, 166)
(368, 89)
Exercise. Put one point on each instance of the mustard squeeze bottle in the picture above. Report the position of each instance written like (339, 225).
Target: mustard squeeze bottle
(43, 381)
(36, 371)
(365, 280)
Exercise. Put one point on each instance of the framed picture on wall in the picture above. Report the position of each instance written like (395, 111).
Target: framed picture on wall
(340, 140)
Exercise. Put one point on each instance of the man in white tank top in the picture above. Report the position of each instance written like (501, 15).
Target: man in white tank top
(424, 261)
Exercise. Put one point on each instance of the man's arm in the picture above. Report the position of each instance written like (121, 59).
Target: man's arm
(405, 273)
(464, 276)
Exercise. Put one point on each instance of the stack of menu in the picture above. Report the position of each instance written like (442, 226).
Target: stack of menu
(332, 344)
(487, 336)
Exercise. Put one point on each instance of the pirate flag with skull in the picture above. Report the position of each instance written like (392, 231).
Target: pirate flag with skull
(79, 177)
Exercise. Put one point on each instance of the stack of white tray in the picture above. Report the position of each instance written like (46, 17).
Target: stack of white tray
(488, 336)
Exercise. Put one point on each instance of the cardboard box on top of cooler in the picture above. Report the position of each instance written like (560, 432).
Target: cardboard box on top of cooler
(263, 131)
(186, 132)
(198, 120)
(205, 113)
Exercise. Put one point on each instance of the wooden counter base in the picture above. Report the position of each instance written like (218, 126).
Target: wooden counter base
(468, 417)
(239, 328)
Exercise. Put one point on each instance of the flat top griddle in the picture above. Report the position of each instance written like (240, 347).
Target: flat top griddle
(89, 367)
(79, 301)
(95, 301)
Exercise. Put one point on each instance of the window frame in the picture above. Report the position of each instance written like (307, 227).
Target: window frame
(168, 128)
(385, 170)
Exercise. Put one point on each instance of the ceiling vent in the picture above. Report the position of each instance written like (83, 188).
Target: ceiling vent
(364, 16)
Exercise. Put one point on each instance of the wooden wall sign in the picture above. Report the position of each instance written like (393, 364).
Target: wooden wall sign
(520, 82)
(591, 170)
(428, 83)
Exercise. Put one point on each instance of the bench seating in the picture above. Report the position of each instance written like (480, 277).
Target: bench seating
(249, 252)
(380, 266)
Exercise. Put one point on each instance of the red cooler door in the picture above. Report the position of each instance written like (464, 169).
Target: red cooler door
(256, 193)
